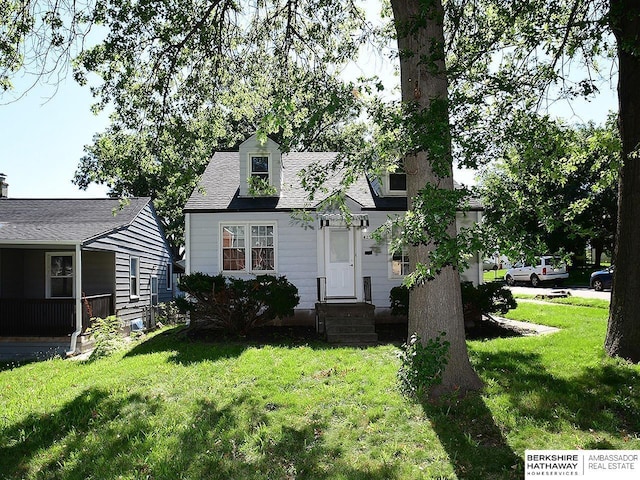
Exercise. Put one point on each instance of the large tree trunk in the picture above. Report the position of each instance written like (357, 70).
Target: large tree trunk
(436, 305)
(623, 332)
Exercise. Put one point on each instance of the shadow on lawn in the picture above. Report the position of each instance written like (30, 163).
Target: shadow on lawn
(66, 439)
(224, 444)
(476, 446)
(603, 398)
(102, 435)
(185, 350)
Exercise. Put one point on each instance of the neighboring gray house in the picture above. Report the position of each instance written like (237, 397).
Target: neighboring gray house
(63, 261)
(330, 260)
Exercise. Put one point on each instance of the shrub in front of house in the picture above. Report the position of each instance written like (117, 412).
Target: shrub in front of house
(168, 313)
(484, 299)
(234, 305)
(107, 334)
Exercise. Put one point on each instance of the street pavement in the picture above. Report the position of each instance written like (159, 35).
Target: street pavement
(575, 291)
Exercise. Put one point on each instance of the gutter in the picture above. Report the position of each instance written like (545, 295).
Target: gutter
(78, 294)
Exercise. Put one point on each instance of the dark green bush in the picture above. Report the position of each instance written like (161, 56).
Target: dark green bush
(487, 298)
(491, 297)
(234, 305)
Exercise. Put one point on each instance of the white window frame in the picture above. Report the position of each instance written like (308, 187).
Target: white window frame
(133, 258)
(247, 246)
(48, 272)
(169, 279)
(404, 253)
(266, 155)
(387, 185)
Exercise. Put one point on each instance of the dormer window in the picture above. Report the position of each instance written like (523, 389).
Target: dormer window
(260, 167)
(396, 183)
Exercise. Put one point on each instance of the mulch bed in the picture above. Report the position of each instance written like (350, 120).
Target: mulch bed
(395, 333)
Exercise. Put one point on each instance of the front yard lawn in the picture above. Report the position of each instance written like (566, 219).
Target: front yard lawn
(171, 408)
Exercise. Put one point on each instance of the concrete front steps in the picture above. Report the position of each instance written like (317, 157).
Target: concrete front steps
(347, 323)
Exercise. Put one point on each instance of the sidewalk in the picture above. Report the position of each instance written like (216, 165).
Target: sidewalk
(525, 328)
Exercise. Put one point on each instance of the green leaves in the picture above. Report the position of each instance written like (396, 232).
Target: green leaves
(555, 188)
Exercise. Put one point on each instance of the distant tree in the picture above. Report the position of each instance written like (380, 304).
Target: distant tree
(554, 190)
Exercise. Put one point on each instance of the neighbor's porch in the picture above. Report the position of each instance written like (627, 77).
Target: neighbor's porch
(42, 289)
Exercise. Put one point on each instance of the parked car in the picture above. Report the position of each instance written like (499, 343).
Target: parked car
(489, 264)
(601, 279)
(548, 269)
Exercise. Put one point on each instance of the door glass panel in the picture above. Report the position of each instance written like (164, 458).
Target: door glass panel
(339, 246)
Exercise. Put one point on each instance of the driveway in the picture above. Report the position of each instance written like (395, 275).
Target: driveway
(575, 291)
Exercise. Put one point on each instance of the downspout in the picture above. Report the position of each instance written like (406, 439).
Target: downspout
(78, 295)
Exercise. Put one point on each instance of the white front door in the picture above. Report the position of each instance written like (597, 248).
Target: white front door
(339, 263)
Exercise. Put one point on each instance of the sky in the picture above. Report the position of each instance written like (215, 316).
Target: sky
(43, 134)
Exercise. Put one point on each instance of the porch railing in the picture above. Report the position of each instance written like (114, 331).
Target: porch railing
(37, 317)
(96, 306)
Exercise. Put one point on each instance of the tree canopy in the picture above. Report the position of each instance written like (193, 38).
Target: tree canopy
(555, 189)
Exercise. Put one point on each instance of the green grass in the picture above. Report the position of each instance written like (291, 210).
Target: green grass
(494, 275)
(171, 408)
(575, 301)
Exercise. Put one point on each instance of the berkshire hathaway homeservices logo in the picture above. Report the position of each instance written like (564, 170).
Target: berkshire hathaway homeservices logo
(583, 464)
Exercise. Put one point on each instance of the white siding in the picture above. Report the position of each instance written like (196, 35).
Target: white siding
(295, 248)
(298, 252)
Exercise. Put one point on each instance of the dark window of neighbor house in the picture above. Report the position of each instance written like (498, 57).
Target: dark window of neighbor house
(398, 182)
(60, 281)
(154, 290)
(260, 167)
(169, 274)
(134, 276)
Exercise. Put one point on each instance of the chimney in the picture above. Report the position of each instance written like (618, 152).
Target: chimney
(4, 186)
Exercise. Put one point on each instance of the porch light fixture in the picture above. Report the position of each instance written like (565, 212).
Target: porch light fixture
(358, 220)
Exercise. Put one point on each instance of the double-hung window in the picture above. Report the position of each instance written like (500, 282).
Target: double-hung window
(248, 247)
(134, 277)
(398, 258)
(60, 277)
(399, 263)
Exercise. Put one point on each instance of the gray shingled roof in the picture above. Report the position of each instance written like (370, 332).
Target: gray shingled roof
(218, 189)
(219, 185)
(63, 220)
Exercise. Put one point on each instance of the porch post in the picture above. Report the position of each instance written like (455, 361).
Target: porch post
(77, 278)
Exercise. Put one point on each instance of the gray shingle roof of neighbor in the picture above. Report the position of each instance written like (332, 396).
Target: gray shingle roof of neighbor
(218, 189)
(64, 220)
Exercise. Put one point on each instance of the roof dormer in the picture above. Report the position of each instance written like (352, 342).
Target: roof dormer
(260, 168)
